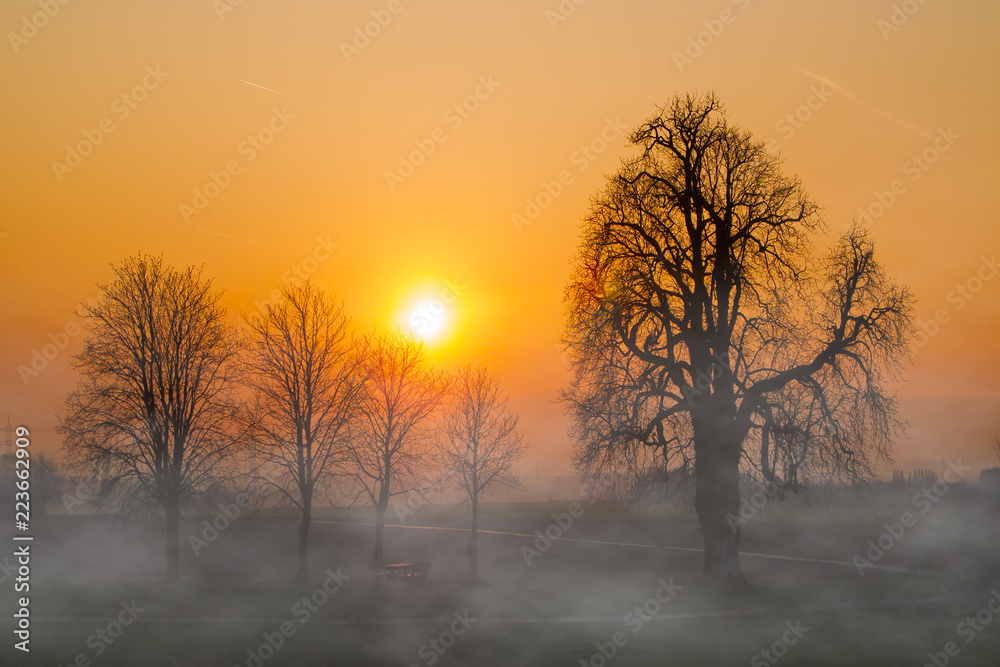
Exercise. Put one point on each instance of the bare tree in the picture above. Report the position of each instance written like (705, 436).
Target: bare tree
(698, 312)
(305, 366)
(153, 414)
(46, 481)
(392, 441)
(481, 445)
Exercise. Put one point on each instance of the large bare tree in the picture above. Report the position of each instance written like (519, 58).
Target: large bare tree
(392, 442)
(702, 324)
(153, 414)
(304, 364)
(481, 443)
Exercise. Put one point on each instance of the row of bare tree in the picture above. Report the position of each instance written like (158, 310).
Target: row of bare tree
(712, 324)
(174, 401)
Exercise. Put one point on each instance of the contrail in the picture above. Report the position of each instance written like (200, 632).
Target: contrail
(260, 86)
(875, 110)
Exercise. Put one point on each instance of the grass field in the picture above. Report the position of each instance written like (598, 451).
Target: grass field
(583, 600)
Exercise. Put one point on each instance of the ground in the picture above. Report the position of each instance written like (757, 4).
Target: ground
(596, 596)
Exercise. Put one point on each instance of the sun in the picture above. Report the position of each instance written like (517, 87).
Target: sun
(428, 319)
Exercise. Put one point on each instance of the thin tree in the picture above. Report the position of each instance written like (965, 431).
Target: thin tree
(482, 444)
(698, 310)
(304, 365)
(46, 480)
(153, 414)
(392, 442)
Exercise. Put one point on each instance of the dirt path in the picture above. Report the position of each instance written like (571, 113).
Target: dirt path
(795, 559)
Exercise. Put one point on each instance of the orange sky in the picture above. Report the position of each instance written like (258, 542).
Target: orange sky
(546, 88)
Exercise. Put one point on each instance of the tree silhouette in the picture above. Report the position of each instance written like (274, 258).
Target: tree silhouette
(305, 367)
(153, 413)
(700, 322)
(392, 441)
(481, 445)
(46, 480)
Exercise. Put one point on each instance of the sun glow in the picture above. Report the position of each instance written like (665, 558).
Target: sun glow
(428, 320)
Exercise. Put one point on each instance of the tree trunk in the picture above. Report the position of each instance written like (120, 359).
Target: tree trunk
(379, 530)
(173, 540)
(380, 508)
(474, 542)
(303, 571)
(717, 497)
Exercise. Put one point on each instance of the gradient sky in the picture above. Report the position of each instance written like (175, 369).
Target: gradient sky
(883, 98)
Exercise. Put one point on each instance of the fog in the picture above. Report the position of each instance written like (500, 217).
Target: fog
(849, 578)
(555, 332)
